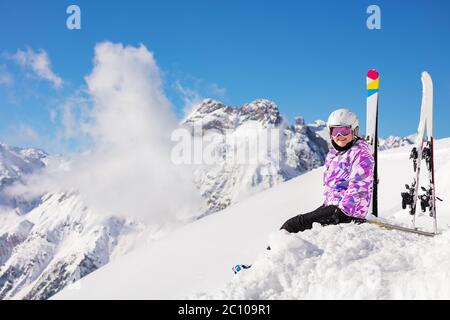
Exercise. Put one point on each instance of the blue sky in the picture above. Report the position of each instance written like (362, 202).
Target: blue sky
(308, 57)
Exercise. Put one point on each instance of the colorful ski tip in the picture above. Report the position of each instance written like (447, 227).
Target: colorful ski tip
(373, 74)
(372, 82)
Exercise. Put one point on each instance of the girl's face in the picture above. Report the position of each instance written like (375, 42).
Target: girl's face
(340, 139)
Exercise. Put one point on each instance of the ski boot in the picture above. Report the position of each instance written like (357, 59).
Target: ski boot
(240, 267)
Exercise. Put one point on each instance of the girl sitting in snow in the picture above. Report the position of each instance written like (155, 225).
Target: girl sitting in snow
(348, 177)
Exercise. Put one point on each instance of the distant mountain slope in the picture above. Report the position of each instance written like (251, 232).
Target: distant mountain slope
(392, 142)
(15, 163)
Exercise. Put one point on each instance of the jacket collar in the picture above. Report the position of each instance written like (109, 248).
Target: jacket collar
(346, 147)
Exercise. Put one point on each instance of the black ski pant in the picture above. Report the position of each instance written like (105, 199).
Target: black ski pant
(325, 215)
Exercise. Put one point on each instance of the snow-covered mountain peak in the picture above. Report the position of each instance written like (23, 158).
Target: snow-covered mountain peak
(211, 114)
(216, 115)
(262, 110)
(208, 106)
(299, 121)
(320, 123)
(396, 142)
(17, 161)
(319, 127)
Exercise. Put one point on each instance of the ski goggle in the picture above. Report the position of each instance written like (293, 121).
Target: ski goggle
(343, 131)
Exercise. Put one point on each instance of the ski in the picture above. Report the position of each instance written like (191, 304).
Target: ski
(428, 199)
(372, 83)
(423, 150)
(400, 228)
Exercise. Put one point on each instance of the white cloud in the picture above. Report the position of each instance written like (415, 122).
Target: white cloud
(192, 96)
(5, 77)
(73, 114)
(53, 113)
(22, 135)
(39, 63)
(129, 170)
(217, 91)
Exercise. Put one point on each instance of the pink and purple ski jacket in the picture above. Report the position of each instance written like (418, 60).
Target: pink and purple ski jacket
(348, 179)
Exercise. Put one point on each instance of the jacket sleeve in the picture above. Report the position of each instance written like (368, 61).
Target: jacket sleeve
(357, 197)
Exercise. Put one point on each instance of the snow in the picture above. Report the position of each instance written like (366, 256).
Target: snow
(344, 262)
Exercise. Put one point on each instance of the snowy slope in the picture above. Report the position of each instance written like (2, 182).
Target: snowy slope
(345, 261)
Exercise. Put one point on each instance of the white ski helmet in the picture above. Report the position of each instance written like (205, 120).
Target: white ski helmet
(343, 118)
